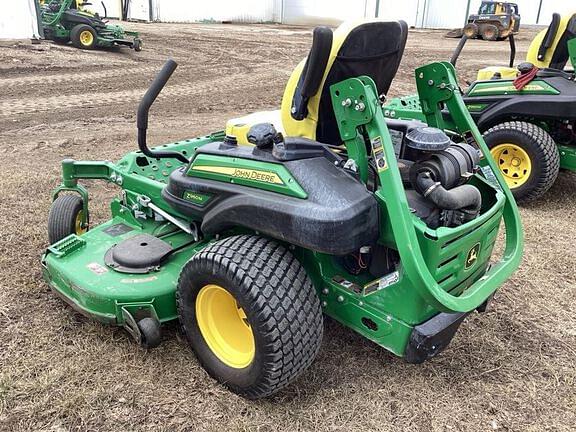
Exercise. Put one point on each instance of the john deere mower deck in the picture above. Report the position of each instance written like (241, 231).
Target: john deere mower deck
(387, 226)
(65, 21)
(527, 114)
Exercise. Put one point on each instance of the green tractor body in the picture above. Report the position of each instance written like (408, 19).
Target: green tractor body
(285, 214)
(529, 129)
(64, 21)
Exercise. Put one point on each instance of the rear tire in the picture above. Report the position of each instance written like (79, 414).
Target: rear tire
(470, 31)
(514, 141)
(489, 32)
(261, 282)
(83, 36)
(65, 217)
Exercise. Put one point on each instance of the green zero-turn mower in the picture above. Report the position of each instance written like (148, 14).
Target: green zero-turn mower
(530, 130)
(65, 20)
(387, 226)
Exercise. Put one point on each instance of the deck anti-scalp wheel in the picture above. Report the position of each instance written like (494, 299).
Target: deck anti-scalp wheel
(83, 36)
(250, 313)
(527, 157)
(65, 218)
(151, 335)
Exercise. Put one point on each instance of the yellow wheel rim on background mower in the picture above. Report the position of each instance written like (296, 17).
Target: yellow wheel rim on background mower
(79, 228)
(86, 38)
(224, 326)
(514, 163)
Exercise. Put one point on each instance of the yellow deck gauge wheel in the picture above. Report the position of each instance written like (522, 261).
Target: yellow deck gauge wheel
(225, 327)
(514, 163)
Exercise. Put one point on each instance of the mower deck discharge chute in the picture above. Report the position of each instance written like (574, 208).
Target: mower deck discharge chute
(526, 113)
(249, 236)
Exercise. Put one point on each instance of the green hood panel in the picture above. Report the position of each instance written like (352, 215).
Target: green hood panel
(261, 175)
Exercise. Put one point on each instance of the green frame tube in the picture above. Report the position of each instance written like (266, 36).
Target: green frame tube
(436, 84)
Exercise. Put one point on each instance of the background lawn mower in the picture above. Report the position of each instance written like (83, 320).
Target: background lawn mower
(65, 20)
(387, 226)
(527, 113)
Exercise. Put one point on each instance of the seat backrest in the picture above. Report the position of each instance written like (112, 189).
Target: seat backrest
(549, 49)
(370, 47)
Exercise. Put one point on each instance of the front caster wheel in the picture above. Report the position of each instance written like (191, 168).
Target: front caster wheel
(250, 313)
(65, 218)
(150, 333)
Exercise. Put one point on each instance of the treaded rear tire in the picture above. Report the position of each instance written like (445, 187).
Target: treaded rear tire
(489, 32)
(75, 36)
(279, 301)
(62, 217)
(541, 149)
(470, 30)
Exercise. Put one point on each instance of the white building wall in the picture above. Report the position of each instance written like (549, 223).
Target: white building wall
(417, 13)
(214, 10)
(113, 8)
(301, 12)
(452, 13)
(139, 10)
(18, 20)
(395, 10)
(550, 6)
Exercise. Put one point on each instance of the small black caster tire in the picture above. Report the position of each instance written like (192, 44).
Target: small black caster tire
(65, 218)
(150, 332)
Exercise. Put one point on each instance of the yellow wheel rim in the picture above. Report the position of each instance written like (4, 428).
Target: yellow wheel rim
(86, 38)
(514, 163)
(224, 326)
(79, 228)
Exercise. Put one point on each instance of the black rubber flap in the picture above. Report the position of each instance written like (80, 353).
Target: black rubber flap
(428, 139)
(142, 253)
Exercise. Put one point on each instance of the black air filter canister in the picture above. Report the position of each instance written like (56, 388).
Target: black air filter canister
(451, 167)
(428, 139)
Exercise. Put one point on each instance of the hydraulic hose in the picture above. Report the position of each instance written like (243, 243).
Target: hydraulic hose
(466, 197)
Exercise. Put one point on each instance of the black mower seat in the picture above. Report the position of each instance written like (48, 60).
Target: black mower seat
(75, 17)
(368, 47)
(549, 49)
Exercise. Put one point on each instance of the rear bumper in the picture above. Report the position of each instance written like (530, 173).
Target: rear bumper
(431, 337)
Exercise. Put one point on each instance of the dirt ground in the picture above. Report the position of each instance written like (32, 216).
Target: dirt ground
(510, 369)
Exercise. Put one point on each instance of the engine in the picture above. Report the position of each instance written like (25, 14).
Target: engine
(438, 178)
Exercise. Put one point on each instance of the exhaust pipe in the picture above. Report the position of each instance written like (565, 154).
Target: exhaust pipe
(142, 117)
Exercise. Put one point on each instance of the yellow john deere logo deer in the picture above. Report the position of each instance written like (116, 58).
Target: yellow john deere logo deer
(472, 256)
